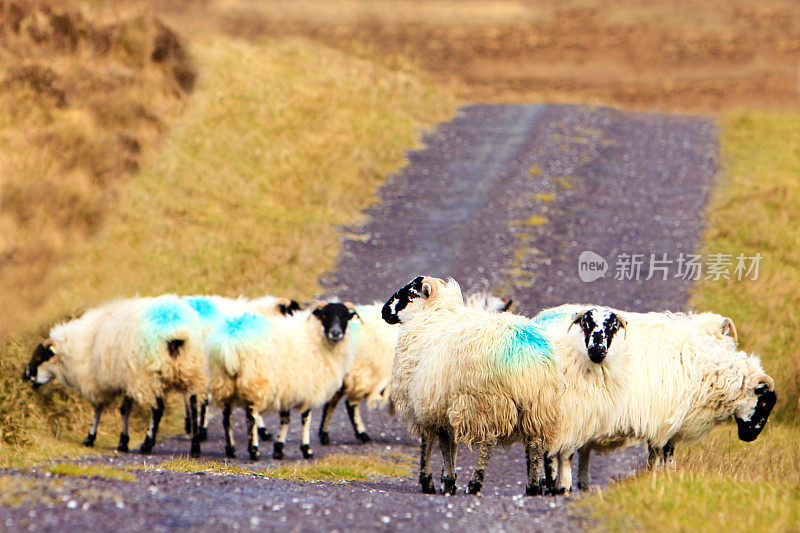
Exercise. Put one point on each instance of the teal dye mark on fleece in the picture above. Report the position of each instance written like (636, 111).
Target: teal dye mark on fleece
(160, 323)
(524, 344)
(546, 317)
(243, 327)
(205, 307)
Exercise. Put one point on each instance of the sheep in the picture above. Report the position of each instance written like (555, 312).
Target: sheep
(213, 309)
(374, 343)
(138, 348)
(278, 364)
(470, 376)
(668, 379)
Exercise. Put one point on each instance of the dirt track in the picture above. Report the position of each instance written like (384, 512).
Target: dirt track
(503, 197)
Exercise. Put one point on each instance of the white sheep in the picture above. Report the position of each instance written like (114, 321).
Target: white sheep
(279, 364)
(212, 311)
(138, 348)
(470, 376)
(374, 342)
(670, 377)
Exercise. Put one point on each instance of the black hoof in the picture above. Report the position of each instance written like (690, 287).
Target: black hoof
(449, 486)
(558, 491)
(147, 446)
(253, 451)
(89, 440)
(363, 437)
(582, 486)
(203, 434)
(123, 444)
(426, 480)
(474, 487)
(263, 434)
(534, 490)
(230, 452)
(277, 450)
(195, 451)
(308, 453)
(324, 438)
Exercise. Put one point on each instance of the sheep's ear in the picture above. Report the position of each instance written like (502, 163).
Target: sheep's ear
(729, 328)
(508, 303)
(316, 309)
(622, 322)
(576, 319)
(353, 311)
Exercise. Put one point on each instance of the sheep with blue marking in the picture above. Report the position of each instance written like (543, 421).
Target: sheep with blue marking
(212, 311)
(374, 342)
(137, 348)
(470, 376)
(279, 364)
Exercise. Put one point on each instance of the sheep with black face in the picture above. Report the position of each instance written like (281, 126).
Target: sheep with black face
(138, 348)
(466, 375)
(278, 364)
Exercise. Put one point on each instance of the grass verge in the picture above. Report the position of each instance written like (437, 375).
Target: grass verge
(332, 467)
(88, 471)
(722, 482)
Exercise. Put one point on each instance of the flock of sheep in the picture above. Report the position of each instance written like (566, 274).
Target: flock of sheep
(572, 378)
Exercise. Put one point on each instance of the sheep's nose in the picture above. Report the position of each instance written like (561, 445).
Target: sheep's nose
(597, 353)
(335, 335)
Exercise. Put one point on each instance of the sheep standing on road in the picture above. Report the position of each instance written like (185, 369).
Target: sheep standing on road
(374, 344)
(137, 348)
(279, 364)
(470, 376)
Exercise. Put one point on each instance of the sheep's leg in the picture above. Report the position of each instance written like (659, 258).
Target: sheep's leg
(305, 442)
(484, 455)
(152, 429)
(230, 450)
(354, 412)
(252, 432)
(654, 455)
(203, 423)
(195, 450)
(425, 475)
(327, 413)
(449, 449)
(277, 450)
(187, 413)
(89, 440)
(533, 485)
(125, 409)
(564, 479)
(263, 434)
(584, 457)
(669, 455)
(549, 474)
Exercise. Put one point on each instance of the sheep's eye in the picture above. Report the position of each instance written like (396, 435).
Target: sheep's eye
(761, 389)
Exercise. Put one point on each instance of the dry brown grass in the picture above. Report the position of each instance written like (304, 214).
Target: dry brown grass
(684, 55)
(84, 93)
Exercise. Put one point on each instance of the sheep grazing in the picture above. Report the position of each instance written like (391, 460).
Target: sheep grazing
(213, 310)
(279, 364)
(470, 376)
(374, 343)
(670, 377)
(138, 348)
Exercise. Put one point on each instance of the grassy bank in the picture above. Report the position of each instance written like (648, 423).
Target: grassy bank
(283, 140)
(722, 482)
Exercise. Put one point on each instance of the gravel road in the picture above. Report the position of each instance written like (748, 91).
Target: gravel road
(504, 197)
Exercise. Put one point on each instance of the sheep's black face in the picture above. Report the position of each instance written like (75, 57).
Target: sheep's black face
(289, 309)
(750, 427)
(334, 318)
(41, 354)
(401, 299)
(599, 327)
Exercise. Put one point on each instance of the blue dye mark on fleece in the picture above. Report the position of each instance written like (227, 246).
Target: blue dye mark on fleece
(164, 317)
(206, 308)
(546, 317)
(243, 327)
(524, 344)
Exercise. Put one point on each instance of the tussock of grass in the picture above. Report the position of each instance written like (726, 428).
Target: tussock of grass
(721, 482)
(534, 220)
(78, 470)
(16, 491)
(333, 467)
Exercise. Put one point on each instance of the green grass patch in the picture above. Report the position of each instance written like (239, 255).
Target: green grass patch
(333, 467)
(721, 482)
(79, 470)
